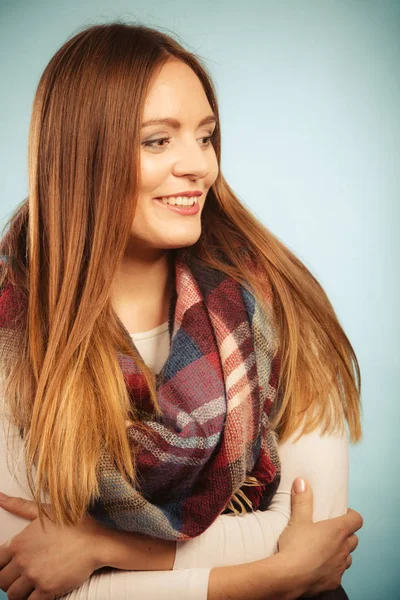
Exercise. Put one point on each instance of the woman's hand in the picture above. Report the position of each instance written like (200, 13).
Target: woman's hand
(43, 565)
(319, 552)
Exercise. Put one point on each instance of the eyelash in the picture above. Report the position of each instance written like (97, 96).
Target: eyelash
(151, 143)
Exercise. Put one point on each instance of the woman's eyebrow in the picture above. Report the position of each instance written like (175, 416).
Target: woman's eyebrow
(175, 123)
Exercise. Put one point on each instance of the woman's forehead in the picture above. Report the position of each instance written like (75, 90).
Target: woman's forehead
(176, 92)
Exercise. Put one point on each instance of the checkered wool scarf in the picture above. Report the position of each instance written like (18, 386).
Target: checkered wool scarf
(212, 450)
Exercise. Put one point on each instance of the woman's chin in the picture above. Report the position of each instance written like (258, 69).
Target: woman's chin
(179, 241)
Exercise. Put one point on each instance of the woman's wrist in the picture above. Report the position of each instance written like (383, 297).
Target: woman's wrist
(274, 578)
(132, 551)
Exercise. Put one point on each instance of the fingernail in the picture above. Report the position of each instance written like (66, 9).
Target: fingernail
(3, 496)
(299, 485)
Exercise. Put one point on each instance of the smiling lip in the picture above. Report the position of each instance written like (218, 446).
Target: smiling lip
(187, 194)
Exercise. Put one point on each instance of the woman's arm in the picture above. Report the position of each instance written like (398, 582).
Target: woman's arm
(316, 457)
(206, 564)
(272, 579)
(322, 460)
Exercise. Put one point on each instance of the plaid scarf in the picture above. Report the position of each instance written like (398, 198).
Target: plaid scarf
(212, 450)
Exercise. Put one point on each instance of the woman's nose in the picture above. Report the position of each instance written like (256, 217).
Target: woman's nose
(192, 161)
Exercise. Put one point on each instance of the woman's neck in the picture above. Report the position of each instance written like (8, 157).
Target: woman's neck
(142, 291)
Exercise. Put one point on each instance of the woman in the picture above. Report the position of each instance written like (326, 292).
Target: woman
(123, 119)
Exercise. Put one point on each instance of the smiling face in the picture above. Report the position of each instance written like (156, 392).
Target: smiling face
(176, 156)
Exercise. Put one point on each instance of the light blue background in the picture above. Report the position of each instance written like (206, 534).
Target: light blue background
(309, 94)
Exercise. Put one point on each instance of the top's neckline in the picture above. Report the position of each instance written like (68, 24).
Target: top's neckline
(142, 335)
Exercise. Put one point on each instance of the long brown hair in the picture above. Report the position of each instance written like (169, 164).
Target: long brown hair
(63, 387)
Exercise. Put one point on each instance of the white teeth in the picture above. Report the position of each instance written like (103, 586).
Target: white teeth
(180, 200)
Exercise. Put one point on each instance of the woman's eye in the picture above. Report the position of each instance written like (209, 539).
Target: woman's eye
(155, 143)
(209, 139)
(159, 142)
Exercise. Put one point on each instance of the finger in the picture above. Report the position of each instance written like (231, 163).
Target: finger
(354, 519)
(21, 588)
(8, 574)
(302, 505)
(39, 595)
(351, 520)
(352, 542)
(5, 554)
(27, 509)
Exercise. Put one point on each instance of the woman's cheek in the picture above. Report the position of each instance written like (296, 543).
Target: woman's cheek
(213, 171)
(154, 171)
